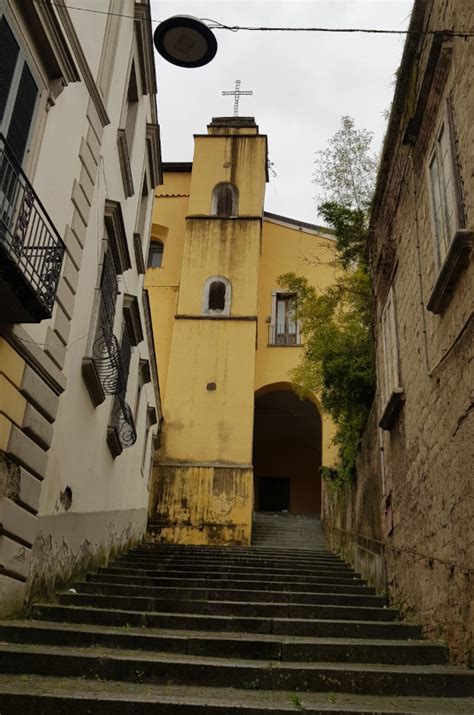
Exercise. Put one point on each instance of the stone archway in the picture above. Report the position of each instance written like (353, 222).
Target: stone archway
(287, 447)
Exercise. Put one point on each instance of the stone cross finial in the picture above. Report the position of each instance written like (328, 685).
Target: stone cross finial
(237, 94)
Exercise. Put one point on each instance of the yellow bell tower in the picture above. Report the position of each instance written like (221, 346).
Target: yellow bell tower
(206, 296)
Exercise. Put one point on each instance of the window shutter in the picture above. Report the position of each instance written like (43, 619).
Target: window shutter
(9, 51)
(22, 115)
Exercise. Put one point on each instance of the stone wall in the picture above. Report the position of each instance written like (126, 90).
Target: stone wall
(426, 510)
(352, 515)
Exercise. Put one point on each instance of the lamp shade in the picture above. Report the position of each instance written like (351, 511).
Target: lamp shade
(185, 41)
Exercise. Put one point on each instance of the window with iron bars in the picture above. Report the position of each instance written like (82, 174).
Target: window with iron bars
(284, 328)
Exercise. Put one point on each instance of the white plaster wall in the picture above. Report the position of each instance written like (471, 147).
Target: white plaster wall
(79, 456)
(108, 511)
(90, 28)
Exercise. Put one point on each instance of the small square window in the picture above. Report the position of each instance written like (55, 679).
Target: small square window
(155, 255)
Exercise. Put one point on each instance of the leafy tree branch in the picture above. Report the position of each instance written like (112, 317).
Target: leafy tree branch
(338, 354)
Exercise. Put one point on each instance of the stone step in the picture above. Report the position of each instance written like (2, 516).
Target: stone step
(233, 559)
(264, 565)
(75, 696)
(257, 578)
(287, 542)
(270, 552)
(233, 551)
(243, 646)
(283, 529)
(197, 582)
(229, 565)
(225, 594)
(265, 544)
(232, 571)
(391, 630)
(229, 608)
(166, 668)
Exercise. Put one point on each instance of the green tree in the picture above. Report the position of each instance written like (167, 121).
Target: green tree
(338, 356)
(345, 169)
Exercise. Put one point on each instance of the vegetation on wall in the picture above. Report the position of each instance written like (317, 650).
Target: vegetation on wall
(338, 355)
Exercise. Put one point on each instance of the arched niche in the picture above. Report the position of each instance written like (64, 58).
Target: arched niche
(225, 200)
(217, 296)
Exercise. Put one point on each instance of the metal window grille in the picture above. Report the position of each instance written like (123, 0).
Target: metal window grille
(106, 349)
(122, 417)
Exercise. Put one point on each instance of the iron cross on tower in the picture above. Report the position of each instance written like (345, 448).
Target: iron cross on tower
(237, 94)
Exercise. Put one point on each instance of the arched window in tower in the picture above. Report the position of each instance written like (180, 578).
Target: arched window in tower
(225, 200)
(216, 296)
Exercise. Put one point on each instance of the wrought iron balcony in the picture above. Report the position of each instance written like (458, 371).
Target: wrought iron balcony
(104, 372)
(31, 250)
(121, 432)
(284, 335)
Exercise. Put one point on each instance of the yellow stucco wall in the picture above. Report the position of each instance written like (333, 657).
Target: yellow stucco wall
(204, 505)
(229, 248)
(239, 160)
(169, 212)
(203, 424)
(12, 402)
(211, 367)
(310, 254)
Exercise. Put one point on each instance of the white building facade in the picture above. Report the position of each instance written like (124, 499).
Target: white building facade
(79, 394)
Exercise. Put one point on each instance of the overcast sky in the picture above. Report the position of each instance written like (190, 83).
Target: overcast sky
(302, 82)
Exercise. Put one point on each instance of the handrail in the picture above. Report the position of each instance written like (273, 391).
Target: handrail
(413, 552)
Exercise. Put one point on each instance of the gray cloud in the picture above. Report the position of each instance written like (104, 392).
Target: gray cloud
(302, 82)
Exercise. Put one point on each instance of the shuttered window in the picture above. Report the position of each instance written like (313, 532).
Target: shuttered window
(443, 193)
(389, 340)
(9, 51)
(18, 93)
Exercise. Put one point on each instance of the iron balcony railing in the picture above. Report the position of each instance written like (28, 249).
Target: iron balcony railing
(106, 348)
(122, 423)
(125, 425)
(112, 360)
(284, 334)
(27, 234)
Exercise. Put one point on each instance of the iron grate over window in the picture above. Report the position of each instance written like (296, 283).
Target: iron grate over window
(122, 425)
(27, 234)
(106, 349)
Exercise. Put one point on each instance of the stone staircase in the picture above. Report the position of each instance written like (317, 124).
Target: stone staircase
(288, 531)
(202, 630)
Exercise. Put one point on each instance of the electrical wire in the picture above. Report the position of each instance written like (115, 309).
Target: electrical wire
(215, 25)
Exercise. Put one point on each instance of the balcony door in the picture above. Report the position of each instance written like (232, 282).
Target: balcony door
(18, 93)
(284, 327)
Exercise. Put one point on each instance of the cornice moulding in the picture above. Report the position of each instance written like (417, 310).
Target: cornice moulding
(131, 314)
(145, 47)
(153, 145)
(118, 238)
(124, 161)
(81, 60)
(46, 29)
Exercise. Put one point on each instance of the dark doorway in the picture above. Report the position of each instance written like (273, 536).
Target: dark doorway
(286, 452)
(274, 494)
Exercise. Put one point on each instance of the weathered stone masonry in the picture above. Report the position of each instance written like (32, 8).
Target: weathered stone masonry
(423, 476)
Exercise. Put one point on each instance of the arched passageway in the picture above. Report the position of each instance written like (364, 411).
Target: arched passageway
(286, 452)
